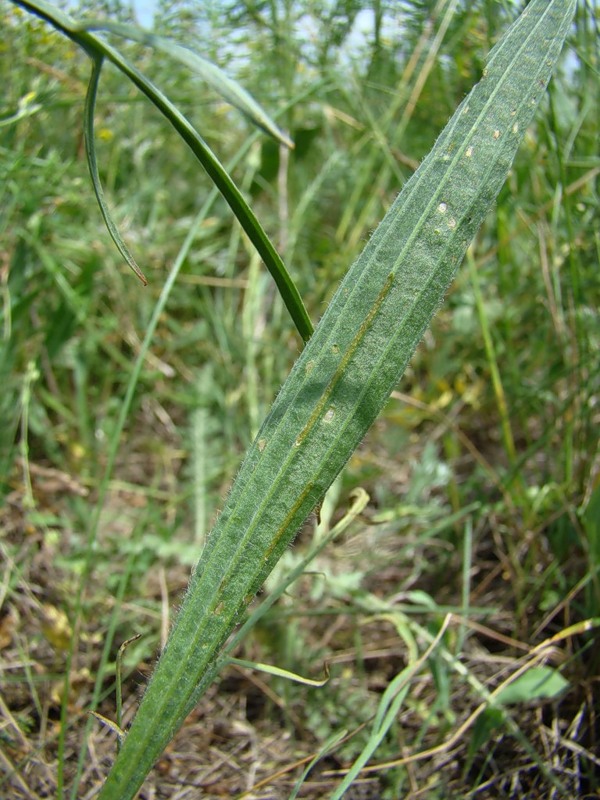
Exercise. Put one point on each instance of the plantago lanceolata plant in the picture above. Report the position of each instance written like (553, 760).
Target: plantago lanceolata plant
(349, 367)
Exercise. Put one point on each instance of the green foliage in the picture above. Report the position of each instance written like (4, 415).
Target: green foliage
(498, 436)
(344, 376)
(536, 683)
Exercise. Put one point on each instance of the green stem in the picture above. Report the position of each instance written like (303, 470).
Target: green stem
(97, 48)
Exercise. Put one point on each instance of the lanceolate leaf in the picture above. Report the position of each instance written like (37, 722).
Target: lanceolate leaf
(347, 371)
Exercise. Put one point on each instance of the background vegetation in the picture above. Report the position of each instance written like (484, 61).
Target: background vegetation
(482, 472)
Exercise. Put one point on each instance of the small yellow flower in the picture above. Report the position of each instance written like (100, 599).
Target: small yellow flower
(56, 627)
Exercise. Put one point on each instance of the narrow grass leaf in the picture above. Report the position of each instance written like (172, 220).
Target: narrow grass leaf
(96, 47)
(90, 151)
(347, 371)
(328, 746)
(269, 669)
(387, 712)
(484, 726)
(219, 81)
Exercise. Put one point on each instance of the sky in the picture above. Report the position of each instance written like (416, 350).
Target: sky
(144, 10)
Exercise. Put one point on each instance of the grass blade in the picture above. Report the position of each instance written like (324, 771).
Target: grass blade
(230, 90)
(347, 371)
(387, 712)
(96, 48)
(90, 151)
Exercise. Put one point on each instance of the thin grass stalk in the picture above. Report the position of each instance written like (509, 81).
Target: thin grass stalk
(429, 43)
(498, 388)
(381, 179)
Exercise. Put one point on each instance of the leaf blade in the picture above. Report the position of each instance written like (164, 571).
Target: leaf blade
(219, 81)
(97, 48)
(90, 151)
(347, 371)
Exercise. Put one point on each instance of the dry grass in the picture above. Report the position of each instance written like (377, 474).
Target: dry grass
(251, 737)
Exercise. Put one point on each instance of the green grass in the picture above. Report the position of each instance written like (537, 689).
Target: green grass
(482, 474)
